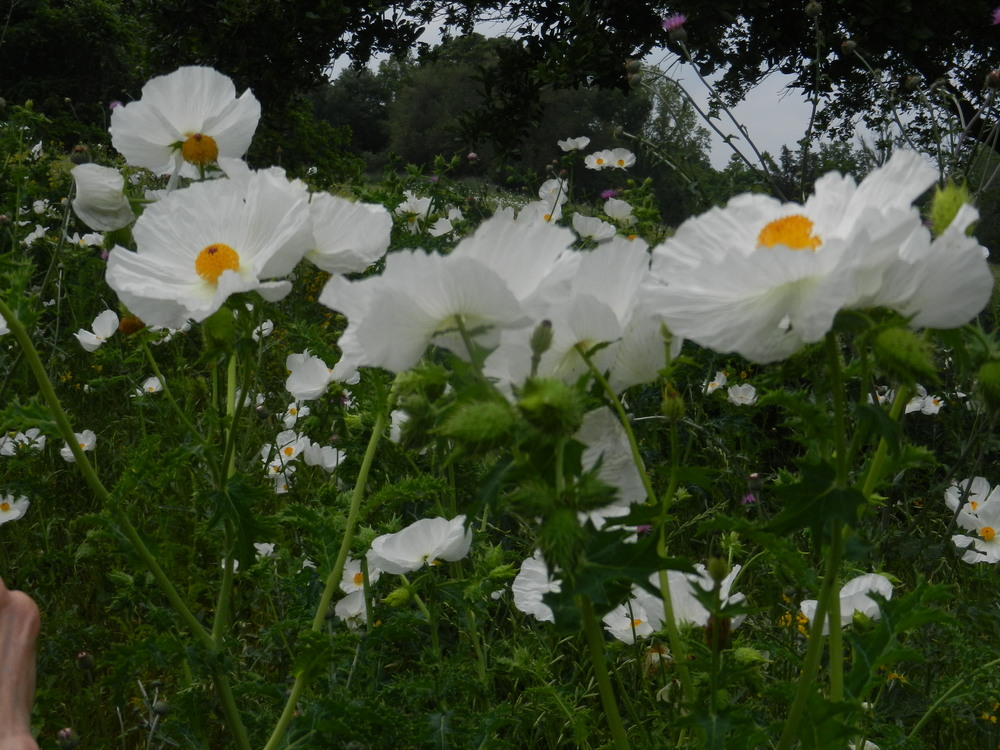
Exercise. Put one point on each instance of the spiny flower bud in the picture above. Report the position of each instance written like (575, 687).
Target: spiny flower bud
(397, 597)
(130, 324)
(717, 569)
(988, 384)
(672, 405)
(161, 708)
(541, 338)
(904, 356)
(945, 206)
(912, 82)
(813, 9)
(480, 423)
(848, 46)
(85, 661)
(993, 79)
(551, 406)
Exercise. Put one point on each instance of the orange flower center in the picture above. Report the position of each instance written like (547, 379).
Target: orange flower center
(987, 533)
(358, 578)
(215, 259)
(793, 232)
(636, 623)
(5, 507)
(200, 149)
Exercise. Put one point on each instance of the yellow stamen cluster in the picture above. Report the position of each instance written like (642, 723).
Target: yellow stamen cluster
(793, 232)
(200, 149)
(987, 533)
(636, 623)
(215, 259)
(5, 507)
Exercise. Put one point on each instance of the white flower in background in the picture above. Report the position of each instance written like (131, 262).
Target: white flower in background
(687, 608)
(598, 160)
(353, 578)
(982, 518)
(764, 278)
(308, 376)
(293, 414)
(424, 542)
(30, 439)
(396, 421)
(574, 144)
(100, 200)
(262, 331)
(554, 191)
(606, 442)
(280, 476)
(151, 384)
(971, 494)
(288, 446)
(619, 211)
(211, 240)
(413, 209)
(854, 597)
(40, 206)
(3, 326)
(639, 617)
(531, 583)
(105, 325)
(445, 224)
(31, 237)
(351, 609)
(93, 239)
(742, 395)
(592, 228)
(326, 457)
(711, 386)
(924, 403)
(347, 236)
(86, 440)
(264, 550)
(621, 158)
(545, 212)
(12, 508)
(185, 120)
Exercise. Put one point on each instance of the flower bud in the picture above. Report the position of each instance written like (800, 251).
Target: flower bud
(912, 82)
(85, 661)
(848, 46)
(80, 154)
(161, 708)
(904, 356)
(551, 406)
(813, 9)
(397, 597)
(672, 405)
(632, 67)
(130, 324)
(945, 205)
(68, 738)
(988, 384)
(717, 569)
(993, 79)
(541, 338)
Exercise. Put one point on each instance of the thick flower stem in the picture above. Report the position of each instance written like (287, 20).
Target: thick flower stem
(333, 579)
(113, 504)
(595, 642)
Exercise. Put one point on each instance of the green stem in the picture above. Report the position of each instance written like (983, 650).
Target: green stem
(595, 643)
(333, 579)
(959, 684)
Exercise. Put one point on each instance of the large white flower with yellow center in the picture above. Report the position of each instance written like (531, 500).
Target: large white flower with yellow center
(185, 121)
(424, 542)
(201, 244)
(763, 278)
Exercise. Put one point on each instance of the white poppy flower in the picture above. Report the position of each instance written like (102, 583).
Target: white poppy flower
(100, 201)
(621, 158)
(592, 228)
(639, 617)
(86, 440)
(308, 376)
(264, 549)
(353, 579)
(424, 542)
(413, 209)
(351, 609)
(262, 331)
(105, 325)
(185, 120)
(711, 386)
(208, 241)
(606, 442)
(742, 395)
(574, 144)
(3, 326)
(151, 384)
(763, 278)
(972, 494)
(347, 237)
(11, 508)
(598, 160)
(854, 597)
(326, 457)
(619, 211)
(531, 583)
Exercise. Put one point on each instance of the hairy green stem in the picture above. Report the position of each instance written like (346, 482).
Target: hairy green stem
(333, 579)
(595, 643)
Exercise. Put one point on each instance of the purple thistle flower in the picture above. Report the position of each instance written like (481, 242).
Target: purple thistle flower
(748, 499)
(674, 21)
(996, 16)
(605, 194)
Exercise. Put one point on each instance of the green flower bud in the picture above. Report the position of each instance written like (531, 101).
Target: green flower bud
(848, 46)
(551, 406)
(672, 405)
(717, 569)
(750, 656)
(481, 422)
(813, 9)
(945, 205)
(904, 356)
(541, 340)
(988, 385)
(397, 597)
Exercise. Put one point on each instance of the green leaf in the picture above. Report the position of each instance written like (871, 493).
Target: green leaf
(313, 652)
(237, 504)
(814, 501)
